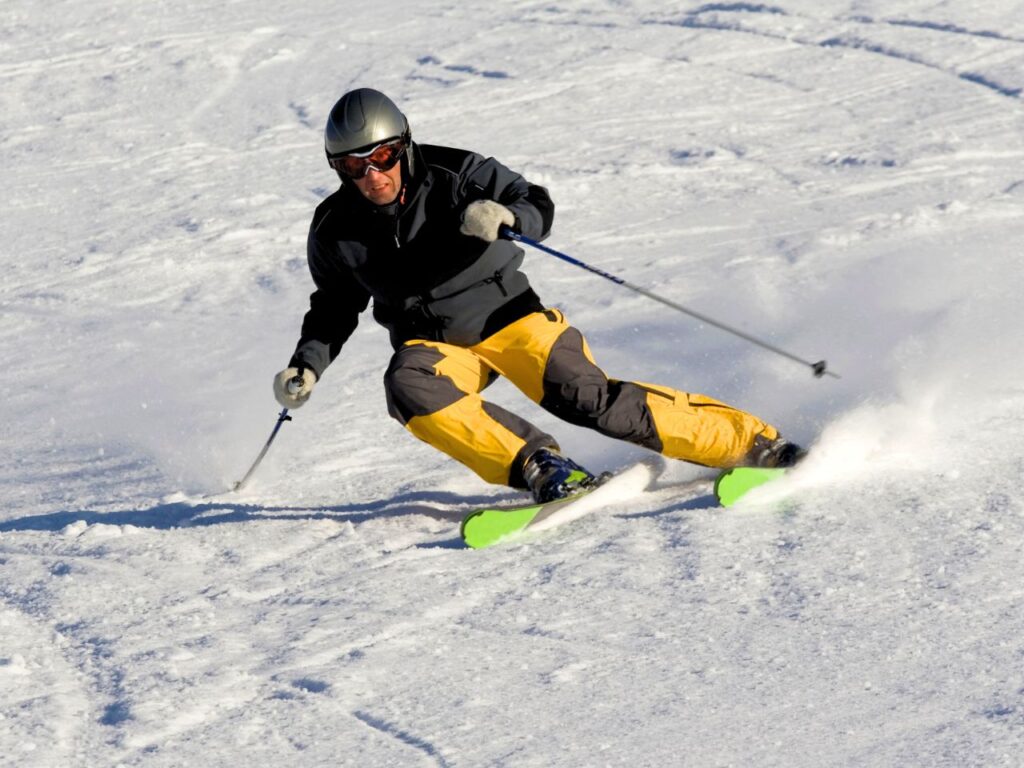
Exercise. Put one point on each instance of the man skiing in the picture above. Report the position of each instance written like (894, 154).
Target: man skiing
(416, 228)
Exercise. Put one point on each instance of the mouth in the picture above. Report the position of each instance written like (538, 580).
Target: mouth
(377, 187)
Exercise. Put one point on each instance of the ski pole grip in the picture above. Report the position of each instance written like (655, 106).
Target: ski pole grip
(294, 385)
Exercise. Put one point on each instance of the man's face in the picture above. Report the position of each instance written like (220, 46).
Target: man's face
(381, 187)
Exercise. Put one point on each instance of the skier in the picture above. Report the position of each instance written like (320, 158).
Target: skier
(416, 228)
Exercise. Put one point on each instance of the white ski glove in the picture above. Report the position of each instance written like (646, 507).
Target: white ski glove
(292, 386)
(483, 218)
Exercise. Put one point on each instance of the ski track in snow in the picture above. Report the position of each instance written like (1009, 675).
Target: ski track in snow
(405, 738)
(843, 180)
(730, 17)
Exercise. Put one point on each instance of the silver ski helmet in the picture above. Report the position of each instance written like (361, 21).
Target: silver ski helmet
(362, 118)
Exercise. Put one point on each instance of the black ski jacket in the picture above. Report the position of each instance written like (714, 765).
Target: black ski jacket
(427, 280)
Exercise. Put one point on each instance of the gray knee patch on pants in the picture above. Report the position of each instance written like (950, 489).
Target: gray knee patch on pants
(579, 392)
(413, 387)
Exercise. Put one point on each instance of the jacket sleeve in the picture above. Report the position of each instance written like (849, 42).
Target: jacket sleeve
(530, 203)
(334, 309)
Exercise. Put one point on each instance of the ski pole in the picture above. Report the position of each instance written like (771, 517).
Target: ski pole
(281, 419)
(819, 368)
(294, 385)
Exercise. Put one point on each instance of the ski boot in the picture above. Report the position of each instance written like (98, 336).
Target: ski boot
(551, 476)
(773, 453)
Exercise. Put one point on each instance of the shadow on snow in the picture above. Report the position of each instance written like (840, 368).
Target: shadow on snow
(167, 516)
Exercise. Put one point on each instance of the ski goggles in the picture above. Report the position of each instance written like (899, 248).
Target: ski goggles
(381, 158)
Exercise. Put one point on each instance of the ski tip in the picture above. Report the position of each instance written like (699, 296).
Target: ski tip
(486, 527)
(467, 524)
(733, 484)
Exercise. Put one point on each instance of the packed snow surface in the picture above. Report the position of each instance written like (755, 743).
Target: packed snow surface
(842, 179)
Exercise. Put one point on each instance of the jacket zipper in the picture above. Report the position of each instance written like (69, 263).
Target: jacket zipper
(398, 217)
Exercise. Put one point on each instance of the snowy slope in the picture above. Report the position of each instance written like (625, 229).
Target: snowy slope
(844, 179)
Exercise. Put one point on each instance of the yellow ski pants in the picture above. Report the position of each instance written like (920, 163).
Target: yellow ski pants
(434, 390)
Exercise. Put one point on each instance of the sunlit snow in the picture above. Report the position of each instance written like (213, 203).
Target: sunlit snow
(844, 180)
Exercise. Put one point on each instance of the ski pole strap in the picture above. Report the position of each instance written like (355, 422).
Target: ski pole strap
(819, 368)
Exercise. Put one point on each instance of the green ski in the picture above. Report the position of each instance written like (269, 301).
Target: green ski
(733, 484)
(484, 527)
